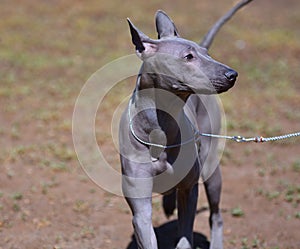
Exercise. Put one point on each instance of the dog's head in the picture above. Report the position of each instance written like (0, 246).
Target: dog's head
(177, 64)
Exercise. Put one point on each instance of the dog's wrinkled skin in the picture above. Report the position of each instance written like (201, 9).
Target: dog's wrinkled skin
(174, 88)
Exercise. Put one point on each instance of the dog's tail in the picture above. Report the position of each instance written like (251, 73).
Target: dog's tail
(169, 202)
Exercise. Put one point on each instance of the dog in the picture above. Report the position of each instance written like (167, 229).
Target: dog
(159, 152)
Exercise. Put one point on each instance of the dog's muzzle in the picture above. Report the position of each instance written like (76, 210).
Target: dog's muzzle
(229, 80)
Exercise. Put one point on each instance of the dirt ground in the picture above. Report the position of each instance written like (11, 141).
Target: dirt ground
(48, 49)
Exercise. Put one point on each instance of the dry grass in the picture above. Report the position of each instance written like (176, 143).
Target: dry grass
(50, 48)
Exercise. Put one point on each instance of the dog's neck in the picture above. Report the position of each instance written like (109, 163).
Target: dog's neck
(158, 109)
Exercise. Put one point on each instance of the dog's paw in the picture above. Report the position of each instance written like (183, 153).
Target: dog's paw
(183, 244)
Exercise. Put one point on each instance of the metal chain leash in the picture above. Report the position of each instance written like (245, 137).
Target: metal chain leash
(258, 139)
(198, 134)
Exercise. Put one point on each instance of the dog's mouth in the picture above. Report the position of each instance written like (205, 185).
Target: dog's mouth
(223, 86)
(227, 81)
(217, 86)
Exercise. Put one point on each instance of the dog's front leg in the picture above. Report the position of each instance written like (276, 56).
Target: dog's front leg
(138, 194)
(142, 222)
(187, 204)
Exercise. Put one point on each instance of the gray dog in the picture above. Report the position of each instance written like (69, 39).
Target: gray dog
(159, 149)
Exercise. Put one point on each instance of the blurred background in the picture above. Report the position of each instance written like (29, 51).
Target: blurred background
(48, 49)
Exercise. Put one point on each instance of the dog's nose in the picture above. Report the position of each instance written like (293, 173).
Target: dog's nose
(231, 75)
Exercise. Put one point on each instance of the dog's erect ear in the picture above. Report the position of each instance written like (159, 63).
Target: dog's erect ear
(164, 25)
(143, 44)
(137, 36)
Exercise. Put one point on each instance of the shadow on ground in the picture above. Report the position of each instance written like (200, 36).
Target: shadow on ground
(167, 237)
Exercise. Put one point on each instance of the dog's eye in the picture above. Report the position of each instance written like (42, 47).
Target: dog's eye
(188, 57)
